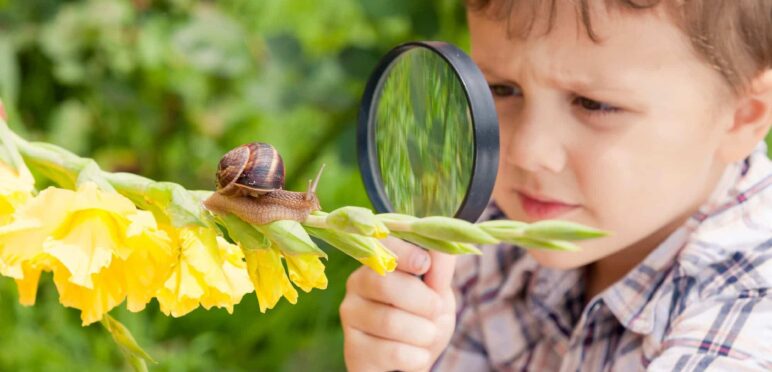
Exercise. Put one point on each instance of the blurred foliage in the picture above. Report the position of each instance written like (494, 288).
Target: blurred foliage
(163, 89)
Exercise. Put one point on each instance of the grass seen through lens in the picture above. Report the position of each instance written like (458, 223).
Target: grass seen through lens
(424, 135)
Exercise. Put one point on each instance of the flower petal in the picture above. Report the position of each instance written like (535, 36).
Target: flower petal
(268, 277)
(306, 271)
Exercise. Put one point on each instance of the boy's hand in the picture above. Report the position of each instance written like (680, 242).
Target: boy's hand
(399, 322)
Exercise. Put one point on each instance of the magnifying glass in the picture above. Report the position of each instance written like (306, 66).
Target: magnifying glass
(428, 136)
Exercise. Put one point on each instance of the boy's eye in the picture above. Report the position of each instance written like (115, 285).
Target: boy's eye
(501, 90)
(594, 106)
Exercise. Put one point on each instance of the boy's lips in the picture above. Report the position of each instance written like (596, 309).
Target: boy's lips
(539, 207)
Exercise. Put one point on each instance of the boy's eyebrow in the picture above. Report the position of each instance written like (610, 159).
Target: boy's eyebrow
(570, 83)
(582, 85)
(488, 74)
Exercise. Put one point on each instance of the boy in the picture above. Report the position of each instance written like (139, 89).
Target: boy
(644, 118)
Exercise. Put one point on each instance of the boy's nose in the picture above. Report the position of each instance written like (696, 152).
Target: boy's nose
(534, 144)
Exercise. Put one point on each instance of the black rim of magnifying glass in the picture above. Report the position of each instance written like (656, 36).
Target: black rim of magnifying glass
(484, 122)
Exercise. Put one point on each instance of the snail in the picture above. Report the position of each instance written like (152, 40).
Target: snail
(250, 181)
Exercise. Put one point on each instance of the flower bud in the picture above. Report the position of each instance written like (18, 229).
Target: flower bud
(557, 245)
(561, 230)
(126, 342)
(504, 229)
(368, 251)
(357, 220)
(446, 228)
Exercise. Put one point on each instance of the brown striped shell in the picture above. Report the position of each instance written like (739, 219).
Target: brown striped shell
(252, 169)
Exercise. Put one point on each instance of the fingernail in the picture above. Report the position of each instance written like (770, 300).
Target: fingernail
(420, 262)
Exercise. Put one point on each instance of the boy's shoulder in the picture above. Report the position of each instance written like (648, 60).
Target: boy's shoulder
(730, 247)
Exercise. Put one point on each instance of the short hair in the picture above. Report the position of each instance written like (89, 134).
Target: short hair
(732, 36)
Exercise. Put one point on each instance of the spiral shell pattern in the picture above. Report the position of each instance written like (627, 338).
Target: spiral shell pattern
(253, 169)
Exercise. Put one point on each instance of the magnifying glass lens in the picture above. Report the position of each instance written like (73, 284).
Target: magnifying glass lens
(428, 133)
(424, 135)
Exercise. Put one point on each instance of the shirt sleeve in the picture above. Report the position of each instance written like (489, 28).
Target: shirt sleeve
(720, 334)
(466, 351)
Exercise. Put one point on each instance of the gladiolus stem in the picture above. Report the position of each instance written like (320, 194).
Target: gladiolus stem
(318, 221)
(134, 354)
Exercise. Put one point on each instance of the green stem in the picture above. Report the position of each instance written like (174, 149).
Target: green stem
(14, 157)
(316, 221)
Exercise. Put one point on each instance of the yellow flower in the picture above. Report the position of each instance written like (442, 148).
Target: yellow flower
(96, 243)
(268, 277)
(306, 271)
(210, 272)
(14, 191)
(369, 251)
(382, 260)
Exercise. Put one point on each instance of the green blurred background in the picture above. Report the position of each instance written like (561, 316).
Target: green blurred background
(163, 89)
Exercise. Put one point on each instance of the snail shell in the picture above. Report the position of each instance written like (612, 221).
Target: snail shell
(250, 179)
(252, 169)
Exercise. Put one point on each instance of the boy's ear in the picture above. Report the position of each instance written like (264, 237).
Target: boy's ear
(752, 119)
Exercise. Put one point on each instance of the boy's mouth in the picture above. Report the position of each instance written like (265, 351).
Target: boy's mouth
(540, 208)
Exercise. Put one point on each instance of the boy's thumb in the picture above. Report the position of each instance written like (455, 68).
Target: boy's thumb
(440, 272)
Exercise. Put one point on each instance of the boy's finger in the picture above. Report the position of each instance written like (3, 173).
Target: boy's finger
(2, 110)
(410, 258)
(364, 352)
(387, 322)
(440, 272)
(399, 289)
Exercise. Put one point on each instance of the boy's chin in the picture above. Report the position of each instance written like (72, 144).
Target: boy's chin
(561, 260)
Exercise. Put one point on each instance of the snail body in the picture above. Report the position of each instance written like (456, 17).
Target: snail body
(250, 181)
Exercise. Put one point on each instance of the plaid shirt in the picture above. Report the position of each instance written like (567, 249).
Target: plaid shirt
(702, 300)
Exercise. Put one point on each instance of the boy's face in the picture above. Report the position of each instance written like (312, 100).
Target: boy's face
(621, 134)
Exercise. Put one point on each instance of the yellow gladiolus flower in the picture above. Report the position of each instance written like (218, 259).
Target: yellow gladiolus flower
(14, 191)
(210, 272)
(95, 242)
(268, 277)
(382, 261)
(306, 271)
